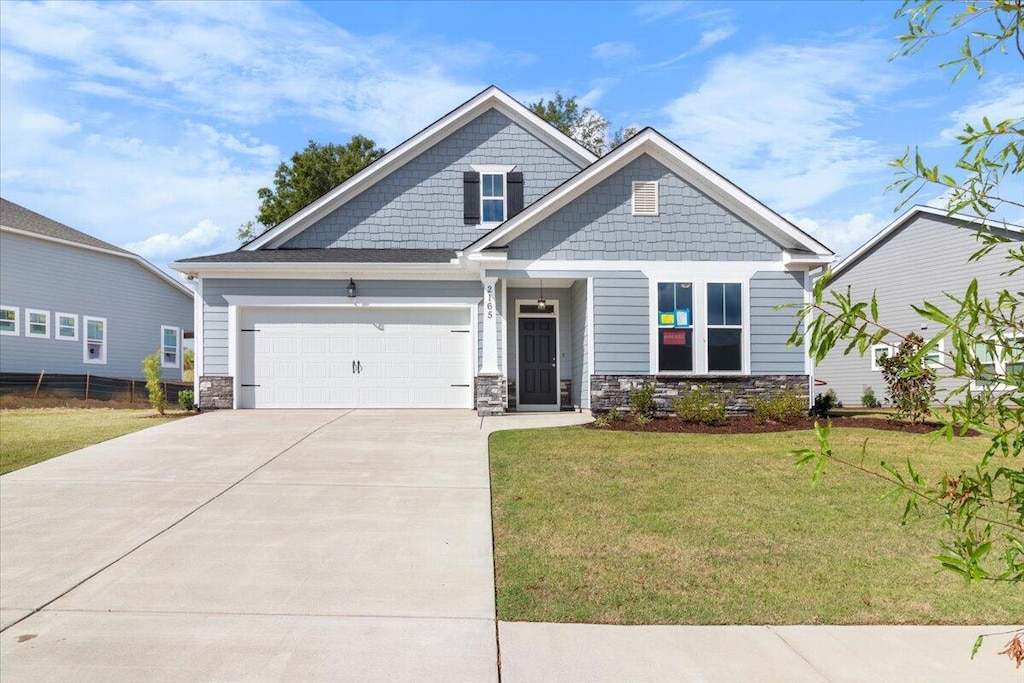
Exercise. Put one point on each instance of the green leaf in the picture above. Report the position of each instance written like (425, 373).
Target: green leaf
(977, 646)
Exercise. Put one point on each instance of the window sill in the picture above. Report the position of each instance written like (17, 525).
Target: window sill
(489, 226)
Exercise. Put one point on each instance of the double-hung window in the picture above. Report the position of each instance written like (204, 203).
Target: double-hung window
(878, 352)
(169, 346)
(675, 326)
(998, 360)
(95, 344)
(37, 323)
(9, 320)
(67, 326)
(492, 197)
(725, 327)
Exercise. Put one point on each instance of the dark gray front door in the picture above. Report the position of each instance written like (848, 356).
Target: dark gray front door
(538, 371)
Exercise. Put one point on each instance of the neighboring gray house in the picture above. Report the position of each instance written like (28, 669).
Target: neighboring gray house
(492, 262)
(74, 304)
(919, 257)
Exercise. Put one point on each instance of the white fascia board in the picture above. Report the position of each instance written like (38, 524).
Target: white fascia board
(123, 254)
(690, 169)
(491, 98)
(400, 271)
(493, 256)
(905, 219)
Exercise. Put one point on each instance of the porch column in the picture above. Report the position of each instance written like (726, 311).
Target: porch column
(490, 350)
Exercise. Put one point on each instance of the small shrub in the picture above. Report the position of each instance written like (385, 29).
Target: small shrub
(641, 401)
(186, 399)
(824, 403)
(614, 415)
(702, 406)
(601, 421)
(154, 386)
(785, 407)
(642, 419)
(868, 398)
(911, 385)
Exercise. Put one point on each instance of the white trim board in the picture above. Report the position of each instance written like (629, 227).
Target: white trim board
(491, 98)
(123, 254)
(688, 167)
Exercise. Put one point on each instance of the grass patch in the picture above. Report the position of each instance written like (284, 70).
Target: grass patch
(631, 528)
(33, 435)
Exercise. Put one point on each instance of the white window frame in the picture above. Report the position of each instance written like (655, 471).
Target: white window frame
(102, 360)
(875, 367)
(699, 324)
(17, 321)
(697, 300)
(56, 328)
(999, 363)
(939, 353)
(503, 171)
(177, 347)
(742, 327)
(29, 312)
(657, 197)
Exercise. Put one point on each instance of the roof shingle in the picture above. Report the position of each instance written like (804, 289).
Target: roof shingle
(335, 255)
(18, 217)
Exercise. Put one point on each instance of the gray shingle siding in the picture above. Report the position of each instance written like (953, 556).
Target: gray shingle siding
(917, 263)
(770, 328)
(580, 388)
(419, 206)
(599, 225)
(60, 278)
(215, 306)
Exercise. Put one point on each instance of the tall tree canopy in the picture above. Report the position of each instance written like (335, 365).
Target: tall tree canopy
(311, 174)
(582, 124)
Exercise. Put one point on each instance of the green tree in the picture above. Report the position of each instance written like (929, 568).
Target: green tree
(311, 174)
(621, 136)
(154, 386)
(982, 506)
(582, 124)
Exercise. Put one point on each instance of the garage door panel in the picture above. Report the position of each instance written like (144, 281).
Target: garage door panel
(409, 358)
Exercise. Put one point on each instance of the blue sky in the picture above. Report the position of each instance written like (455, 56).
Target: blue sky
(153, 125)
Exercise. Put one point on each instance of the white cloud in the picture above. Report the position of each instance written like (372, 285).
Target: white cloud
(654, 11)
(613, 51)
(713, 37)
(195, 241)
(781, 121)
(1005, 101)
(267, 62)
(842, 235)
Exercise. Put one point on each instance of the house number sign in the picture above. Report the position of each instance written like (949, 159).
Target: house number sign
(490, 301)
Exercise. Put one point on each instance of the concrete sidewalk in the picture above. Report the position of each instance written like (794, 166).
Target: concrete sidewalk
(559, 653)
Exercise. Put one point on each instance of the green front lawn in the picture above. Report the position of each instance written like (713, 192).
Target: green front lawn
(626, 528)
(31, 435)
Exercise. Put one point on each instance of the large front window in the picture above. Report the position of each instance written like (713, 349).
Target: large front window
(492, 197)
(725, 327)
(675, 326)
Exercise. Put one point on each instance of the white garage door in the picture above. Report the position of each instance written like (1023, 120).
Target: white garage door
(355, 358)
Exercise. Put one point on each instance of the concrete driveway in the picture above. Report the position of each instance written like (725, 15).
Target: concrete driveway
(256, 545)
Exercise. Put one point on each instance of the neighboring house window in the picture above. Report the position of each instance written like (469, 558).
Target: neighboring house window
(37, 323)
(95, 346)
(935, 358)
(170, 346)
(9, 320)
(492, 197)
(878, 352)
(725, 327)
(675, 326)
(67, 326)
(645, 198)
(998, 361)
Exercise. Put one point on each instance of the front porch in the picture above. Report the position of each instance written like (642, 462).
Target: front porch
(535, 355)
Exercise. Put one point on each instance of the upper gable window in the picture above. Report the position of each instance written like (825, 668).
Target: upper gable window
(645, 198)
(492, 197)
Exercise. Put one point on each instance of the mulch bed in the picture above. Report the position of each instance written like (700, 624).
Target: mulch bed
(746, 425)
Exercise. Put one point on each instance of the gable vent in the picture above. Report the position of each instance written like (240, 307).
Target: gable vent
(645, 198)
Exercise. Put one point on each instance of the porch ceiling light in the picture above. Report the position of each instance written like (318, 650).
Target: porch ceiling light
(351, 288)
(542, 303)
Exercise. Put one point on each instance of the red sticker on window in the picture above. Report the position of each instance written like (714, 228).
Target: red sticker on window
(675, 337)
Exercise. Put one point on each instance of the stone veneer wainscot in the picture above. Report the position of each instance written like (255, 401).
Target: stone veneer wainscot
(612, 391)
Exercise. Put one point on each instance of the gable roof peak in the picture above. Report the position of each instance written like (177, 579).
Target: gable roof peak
(489, 98)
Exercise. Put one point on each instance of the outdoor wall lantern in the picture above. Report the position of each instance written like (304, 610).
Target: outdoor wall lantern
(351, 288)
(542, 303)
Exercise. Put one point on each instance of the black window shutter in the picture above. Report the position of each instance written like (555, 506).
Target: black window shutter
(515, 193)
(471, 197)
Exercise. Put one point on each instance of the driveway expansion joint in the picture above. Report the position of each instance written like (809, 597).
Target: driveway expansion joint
(797, 652)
